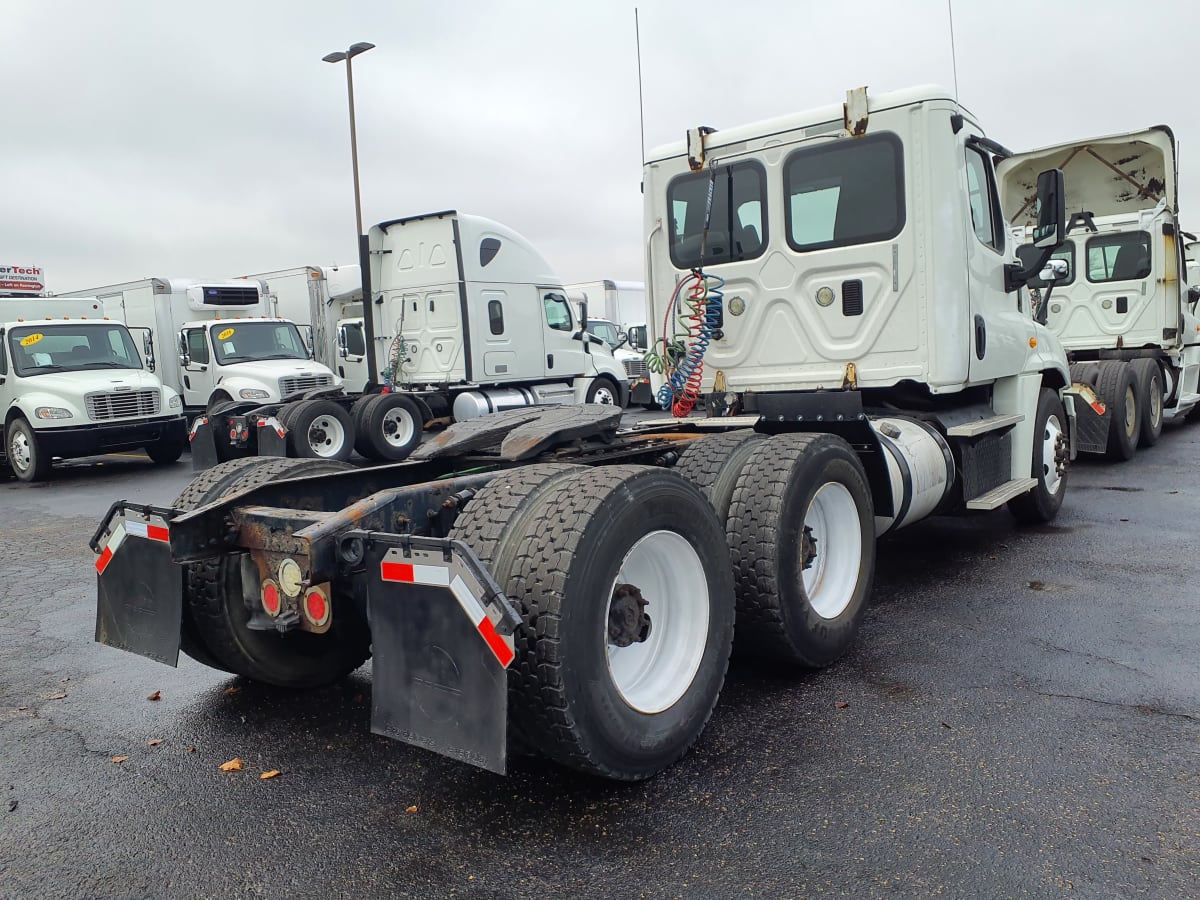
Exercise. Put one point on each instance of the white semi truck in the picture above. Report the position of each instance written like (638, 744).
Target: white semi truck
(543, 579)
(1123, 308)
(72, 384)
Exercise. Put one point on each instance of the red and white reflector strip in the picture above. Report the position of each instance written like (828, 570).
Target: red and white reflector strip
(437, 576)
(137, 529)
(203, 420)
(272, 422)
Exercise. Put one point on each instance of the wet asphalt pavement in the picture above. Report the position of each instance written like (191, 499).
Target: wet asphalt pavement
(1020, 716)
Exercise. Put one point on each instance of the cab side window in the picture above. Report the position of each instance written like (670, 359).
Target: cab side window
(558, 312)
(197, 346)
(985, 205)
(3, 357)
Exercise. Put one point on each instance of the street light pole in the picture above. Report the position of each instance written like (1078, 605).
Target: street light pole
(364, 250)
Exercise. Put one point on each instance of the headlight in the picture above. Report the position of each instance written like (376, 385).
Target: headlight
(52, 412)
(253, 394)
(176, 402)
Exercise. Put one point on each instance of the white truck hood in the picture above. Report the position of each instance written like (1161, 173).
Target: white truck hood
(1121, 173)
(268, 372)
(68, 389)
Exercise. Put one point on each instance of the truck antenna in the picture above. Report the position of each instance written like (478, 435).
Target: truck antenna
(953, 54)
(637, 34)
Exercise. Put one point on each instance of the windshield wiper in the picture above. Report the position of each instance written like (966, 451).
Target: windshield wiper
(48, 367)
(108, 365)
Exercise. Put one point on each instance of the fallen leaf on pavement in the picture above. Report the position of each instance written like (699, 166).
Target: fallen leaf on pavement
(60, 695)
(411, 809)
(155, 742)
(841, 704)
(120, 759)
(157, 695)
(191, 749)
(234, 765)
(272, 774)
(12, 805)
(22, 708)
(230, 690)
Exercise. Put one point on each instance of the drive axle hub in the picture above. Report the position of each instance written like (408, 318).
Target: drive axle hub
(628, 622)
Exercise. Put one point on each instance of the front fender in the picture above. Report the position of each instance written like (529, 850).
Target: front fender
(26, 403)
(234, 384)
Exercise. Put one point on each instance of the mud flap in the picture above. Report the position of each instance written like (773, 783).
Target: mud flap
(139, 588)
(203, 444)
(441, 641)
(272, 437)
(1092, 419)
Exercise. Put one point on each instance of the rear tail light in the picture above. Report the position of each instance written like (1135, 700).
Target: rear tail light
(316, 607)
(271, 601)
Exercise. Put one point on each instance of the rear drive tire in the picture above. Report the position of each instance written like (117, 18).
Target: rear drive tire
(591, 688)
(788, 612)
(320, 429)
(1149, 379)
(357, 411)
(213, 598)
(393, 425)
(26, 457)
(1041, 504)
(714, 463)
(1118, 389)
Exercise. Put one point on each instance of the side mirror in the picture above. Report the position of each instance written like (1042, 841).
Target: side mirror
(1193, 294)
(148, 350)
(1048, 233)
(342, 350)
(184, 360)
(1055, 270)
(1051, 225)
(583, 323)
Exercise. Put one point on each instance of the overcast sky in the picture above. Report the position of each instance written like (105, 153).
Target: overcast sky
(208, 140)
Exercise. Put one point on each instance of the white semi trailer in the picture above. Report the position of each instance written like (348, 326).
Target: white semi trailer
(1123, 308)
(545, 575)
(72, 384)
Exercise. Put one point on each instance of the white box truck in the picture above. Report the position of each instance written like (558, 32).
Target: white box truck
(1122, 307)
(72, 384)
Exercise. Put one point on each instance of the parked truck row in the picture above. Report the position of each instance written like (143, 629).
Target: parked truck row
(468, 318)
(838, 288)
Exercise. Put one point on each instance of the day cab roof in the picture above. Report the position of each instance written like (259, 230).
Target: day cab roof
(821, 115)
(1106, 176)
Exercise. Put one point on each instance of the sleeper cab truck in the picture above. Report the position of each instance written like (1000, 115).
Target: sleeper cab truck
(548, 582)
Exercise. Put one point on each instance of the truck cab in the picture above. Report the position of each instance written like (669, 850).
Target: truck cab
(1120, 302)
(259, 359)
(73, 384)
(468, 303)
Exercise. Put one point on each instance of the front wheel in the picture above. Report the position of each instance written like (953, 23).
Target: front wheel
(165, 451)
(602, 390)
(28, 460)
(1051, 455)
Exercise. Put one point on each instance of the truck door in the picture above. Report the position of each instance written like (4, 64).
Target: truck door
(998, 333)
(565, 355)
(510, 332)
(197, 375)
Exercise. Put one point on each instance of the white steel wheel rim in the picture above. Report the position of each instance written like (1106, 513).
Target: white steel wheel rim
(832, 578)
(1130, 410)
(20, 452)
(398, 427)
(653, 674)
(326, 436)
(604, 396)
(1050, 437)
(1156, 401)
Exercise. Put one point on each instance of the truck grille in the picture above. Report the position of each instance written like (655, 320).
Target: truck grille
(293, 383)
(635, 368)
(121, 405)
